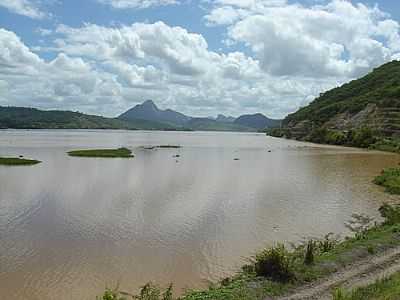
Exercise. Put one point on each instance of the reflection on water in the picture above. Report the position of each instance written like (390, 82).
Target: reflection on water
(71, 226)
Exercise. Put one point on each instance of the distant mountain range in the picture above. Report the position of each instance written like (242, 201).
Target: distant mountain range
(258, 121)
(150, 112)
(145, 116)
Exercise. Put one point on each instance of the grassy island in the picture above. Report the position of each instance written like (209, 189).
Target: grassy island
(106, 153)
(161, 147)
(17, 161)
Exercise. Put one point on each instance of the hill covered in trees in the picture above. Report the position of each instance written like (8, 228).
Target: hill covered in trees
(31, 118)
(358, 113)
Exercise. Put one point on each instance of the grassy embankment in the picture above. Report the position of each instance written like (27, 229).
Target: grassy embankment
(106, 153)
(387, 288)
(276, 270)
(17, 161)
(384, 289)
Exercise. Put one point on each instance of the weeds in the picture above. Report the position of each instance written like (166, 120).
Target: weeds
(390, 213)
(274, 263)
(309, 256)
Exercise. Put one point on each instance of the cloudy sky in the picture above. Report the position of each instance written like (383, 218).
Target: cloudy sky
(201, 57)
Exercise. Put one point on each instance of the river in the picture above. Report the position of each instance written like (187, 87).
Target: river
(71, 226)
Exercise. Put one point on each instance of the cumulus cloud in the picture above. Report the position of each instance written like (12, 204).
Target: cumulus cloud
(335, 39)
(64, 82)
(106, 70)
(296, 52)
(120, 4)
(26, 8)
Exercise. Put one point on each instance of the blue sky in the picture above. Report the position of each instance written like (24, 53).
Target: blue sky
(200, 57)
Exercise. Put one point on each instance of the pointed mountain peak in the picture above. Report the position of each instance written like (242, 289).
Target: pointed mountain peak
(149, 103)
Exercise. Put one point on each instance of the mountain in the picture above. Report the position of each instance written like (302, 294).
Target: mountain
(369, 106)
(31, 118)
(149, 111)
(206, 124)
(257, 121)
(225, 119)
(144, 116)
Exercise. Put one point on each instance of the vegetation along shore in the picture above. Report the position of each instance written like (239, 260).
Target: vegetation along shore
(362, 113)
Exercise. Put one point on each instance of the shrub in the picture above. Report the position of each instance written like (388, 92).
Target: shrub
(390, 179)
(318, 135)
(147, 292)
(309, 256)
(327, 243)
(371, 249)
(111, 295)
(275, 264)
(390, 213)
(363, 137)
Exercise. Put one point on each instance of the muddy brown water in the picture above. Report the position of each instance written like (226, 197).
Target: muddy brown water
(71, 226)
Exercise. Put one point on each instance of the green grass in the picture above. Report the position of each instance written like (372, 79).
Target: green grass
(387, 145)
(390, 179)
(16, 161)
(384, 289)
(111, 153)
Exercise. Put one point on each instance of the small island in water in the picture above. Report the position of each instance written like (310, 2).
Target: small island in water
(105, 153)
(17, 161)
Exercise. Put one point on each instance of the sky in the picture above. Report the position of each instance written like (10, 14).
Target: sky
(200, 57)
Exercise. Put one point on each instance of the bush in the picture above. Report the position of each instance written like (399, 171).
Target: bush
(362, 138)
(275, 264)
(328, 243)
(309, 256)
(147, 292)
(390, 213)
(111, 295)
(390, 179)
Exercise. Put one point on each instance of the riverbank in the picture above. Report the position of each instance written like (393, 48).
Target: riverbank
(364, 138)
(278, 271)
(385, 288)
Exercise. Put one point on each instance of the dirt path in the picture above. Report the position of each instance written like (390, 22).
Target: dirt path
(361, 273)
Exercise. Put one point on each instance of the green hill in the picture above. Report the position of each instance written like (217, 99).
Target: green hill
(31, 118)
(357, 113)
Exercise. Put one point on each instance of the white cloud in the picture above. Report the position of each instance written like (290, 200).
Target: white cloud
(106, 70)
(335, 39)
(23, 7)
(296, 51)
(137, 4)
